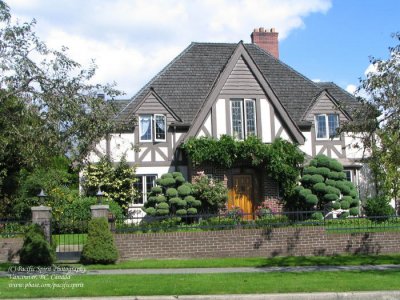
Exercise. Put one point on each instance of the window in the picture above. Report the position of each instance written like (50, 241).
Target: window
(243, 116)
(349, 176)
(143, 185)
(152, 123)
(326, 125)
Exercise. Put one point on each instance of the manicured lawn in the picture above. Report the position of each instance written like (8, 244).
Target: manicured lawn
(194, 284)
(254, 262)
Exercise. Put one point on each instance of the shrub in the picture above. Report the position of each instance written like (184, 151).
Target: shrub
(181, 212)
(332, 190)
(316, 178)
(192, 211)
(310, 170)
(182, 203)
(323, 171)
(36, 250)
(168, 181)
(344, 204)
(311, 199)
(177, 174)
(335, 166)
(150, 211)
(318, 216)
(347, 198)
(163, 205)
(378, 207)
(306, 179)
(322, 160)
(331, 197)
(180, 180)
(161, 198)
(175, 200)
(344, 215)
(99, 247)
(171, 192)
(354, 211)
(162, 212)
(156, 190)
(305, 192)
(343, 187)
(211, 192)
(320, 187)
(184, 190)
(355, 202)
(330, 182)
(335, 205)
(167, 175)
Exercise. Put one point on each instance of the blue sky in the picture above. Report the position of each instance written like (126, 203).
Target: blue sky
(131, 40)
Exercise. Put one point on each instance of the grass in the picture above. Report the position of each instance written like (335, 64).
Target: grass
(196, 284)
(70, 239)
(257, 262)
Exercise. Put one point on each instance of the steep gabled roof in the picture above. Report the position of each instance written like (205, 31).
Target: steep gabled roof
(185, 82)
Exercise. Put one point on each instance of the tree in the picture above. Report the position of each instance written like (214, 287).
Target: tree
(376, 122)
(48, 105)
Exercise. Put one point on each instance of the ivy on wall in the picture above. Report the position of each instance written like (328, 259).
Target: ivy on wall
(281, 160)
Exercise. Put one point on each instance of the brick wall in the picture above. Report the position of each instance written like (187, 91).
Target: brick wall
(306, 241)
(9, 248)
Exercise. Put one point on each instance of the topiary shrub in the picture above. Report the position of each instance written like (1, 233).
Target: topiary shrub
(36, 250)
(354, 211)
(99, 247)
(184, 190)
(335, 205)
(378, 208)
(331, 197)
(344, 204)
(318, 216)
(171, 192)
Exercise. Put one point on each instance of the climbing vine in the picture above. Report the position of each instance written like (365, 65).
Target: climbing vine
(281, 160)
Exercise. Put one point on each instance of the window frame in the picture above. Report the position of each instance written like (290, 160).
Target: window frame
(144, 191)
(153, 128)
(328, 135)
(349, 171)
(243, 117)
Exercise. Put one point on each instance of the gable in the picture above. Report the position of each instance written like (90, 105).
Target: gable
(324, 104)
(241, 79)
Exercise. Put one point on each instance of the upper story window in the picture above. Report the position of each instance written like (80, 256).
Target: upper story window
(243, 116)
(152, 128)
(326, 125)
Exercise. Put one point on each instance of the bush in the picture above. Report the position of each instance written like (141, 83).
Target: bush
(99, 247)
(311, 199)
(171, 192)
(36, 250)
(184, 190)
(163, 205)
(211, 192)
(181, 212)
(343, 187)
(156, 190)
(150, 211)
(192, 211)
(310, 170)
(168, 181)
(323, 171)
(316, 178)
(318, 216)
(320, 187)
(344, 204)
(332, 190)
(378, 207)
(354, 211)
(335, 205)
(344, 215)
(177, 174)
(331, 197)
(336, 166)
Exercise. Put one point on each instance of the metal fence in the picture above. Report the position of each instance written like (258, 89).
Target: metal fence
(229, 220)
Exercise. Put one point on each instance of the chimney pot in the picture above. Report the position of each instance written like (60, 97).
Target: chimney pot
(266, 39)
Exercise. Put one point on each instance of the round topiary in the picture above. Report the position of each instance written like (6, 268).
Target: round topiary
(332, 190)
(353, 193)
(347, 198)
(162, 212)
(161, 198)
(355, 202)
(167, 175)
(336, 166)
(322, 160)
(330, 182)
(310, 170)
(331, 198)
(342, 176)
(323, 171)
(298, 189)
(175, 200)
(99, 247)
(184, 190)
(168, 181)
(156, 189)
(181, 212)
(343, 187)
(344, 215)
(152, 199)
(306, 179)
(320, 187)
(316, 178)
(305, 192)
(197, 203)
(177, 174)
(36, 250)
(158, 181)
(171, 192)
(334, 175)
(151, 211)
(163, 205)
(318, 216)
(344, 204)
(354, 211)
(192, 211)
(181, 203)
(311, 199)
(180, 180)
(335, 205)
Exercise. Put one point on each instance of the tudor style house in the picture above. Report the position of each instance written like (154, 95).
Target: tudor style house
(214, 89)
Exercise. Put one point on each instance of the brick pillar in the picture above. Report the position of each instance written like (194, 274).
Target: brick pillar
(42, 215)
(99, 211)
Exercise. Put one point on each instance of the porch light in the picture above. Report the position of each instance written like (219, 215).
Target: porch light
(99, 196)
(42, 195)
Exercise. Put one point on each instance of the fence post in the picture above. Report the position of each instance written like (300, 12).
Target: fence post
(100, 211)
(41, 215)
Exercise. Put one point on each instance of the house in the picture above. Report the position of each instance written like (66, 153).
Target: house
(213, 89)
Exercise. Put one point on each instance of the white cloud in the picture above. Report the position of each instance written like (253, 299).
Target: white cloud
(316, 80)
(351, 88)
(131, 40)
(370, 69)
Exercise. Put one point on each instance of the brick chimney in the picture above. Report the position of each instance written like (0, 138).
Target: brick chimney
(266, 39)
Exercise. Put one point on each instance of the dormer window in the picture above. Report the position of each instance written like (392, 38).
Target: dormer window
(326, 126)
(152, 128)
(243, 117)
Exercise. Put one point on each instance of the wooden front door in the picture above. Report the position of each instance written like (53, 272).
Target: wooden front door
(241, 194)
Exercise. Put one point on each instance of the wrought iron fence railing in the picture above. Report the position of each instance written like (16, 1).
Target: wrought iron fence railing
(229, 220)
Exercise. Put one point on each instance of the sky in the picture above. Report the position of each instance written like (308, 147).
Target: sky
(132, 40)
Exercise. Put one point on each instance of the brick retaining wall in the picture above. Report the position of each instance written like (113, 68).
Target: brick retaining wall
(305, 241)
(9, 248)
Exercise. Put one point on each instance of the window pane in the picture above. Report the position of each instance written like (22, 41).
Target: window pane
(348, 175)
(139, 188)
(321, 127)
(150, 182)
(160, 127)
(250, 117)
(333, 125)
(237, 124)
(145, 128)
